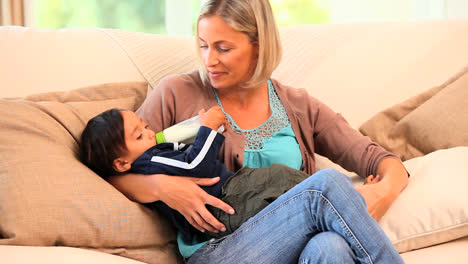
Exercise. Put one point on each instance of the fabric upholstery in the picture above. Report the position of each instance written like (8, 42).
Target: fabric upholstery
(433, 120)
(75, 57)
(68, 255)
(49, 198)
(452, 252)
(357, 69)
(433, 207)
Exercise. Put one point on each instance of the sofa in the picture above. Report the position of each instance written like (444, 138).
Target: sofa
(405, 85)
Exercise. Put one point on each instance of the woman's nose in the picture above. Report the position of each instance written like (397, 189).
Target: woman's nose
(211, 58)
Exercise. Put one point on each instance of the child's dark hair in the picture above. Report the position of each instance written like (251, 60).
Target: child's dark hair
(103, 141)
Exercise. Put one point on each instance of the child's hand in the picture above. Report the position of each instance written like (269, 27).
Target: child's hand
(371, 179)
(213, 118)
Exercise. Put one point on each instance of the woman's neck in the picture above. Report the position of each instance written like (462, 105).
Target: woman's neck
(249, 107)
(243, 97)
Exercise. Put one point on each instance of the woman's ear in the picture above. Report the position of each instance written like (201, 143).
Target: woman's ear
(121, 165)
(256, 49)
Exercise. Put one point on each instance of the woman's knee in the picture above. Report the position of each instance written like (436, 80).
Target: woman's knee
(329, 178)
(327, 247)
(329, 183)
(332, 174)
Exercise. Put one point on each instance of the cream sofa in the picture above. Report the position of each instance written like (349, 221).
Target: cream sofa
(54, 210)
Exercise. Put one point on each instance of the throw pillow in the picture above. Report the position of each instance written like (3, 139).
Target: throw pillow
(433, 208)
(433, 120)
(49, 198)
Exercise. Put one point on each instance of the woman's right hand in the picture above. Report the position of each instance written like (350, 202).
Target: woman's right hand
(180, 193)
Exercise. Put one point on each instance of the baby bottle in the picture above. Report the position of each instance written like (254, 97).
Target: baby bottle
(184, 132)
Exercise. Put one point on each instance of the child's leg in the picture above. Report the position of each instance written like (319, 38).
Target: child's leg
(252, 189)
(324, 202)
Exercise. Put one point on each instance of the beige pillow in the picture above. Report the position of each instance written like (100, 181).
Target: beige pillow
(434, 206)
(435, 119)
(49, 198)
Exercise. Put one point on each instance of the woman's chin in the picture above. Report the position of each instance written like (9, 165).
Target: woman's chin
(217, 83)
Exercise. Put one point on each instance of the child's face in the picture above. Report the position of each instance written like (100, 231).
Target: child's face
(138, 137)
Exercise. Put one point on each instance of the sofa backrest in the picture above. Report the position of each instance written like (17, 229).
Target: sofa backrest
(357, 69)
(34, 60)
(360, 69)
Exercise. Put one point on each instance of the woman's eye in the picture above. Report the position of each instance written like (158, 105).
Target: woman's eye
(139, 137)
(146, 127)
(203, 46)
(224, 49)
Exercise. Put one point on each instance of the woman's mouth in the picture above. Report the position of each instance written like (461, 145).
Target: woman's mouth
(215, 75)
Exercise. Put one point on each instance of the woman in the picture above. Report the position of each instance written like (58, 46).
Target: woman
(239, 48)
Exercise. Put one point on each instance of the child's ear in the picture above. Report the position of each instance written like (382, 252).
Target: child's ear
(121, 165)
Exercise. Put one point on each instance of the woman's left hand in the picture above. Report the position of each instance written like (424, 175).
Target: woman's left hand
(378, 198)
(379, 195)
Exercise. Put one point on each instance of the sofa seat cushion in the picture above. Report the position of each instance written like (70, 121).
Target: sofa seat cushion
(59, 255)
(49, 198)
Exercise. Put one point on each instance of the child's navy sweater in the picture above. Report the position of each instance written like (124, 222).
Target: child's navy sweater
(200, 159)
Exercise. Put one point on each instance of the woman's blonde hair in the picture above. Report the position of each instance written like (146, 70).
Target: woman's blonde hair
(254, 18)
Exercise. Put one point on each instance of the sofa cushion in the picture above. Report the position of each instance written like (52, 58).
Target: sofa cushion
(58, 255)
(433, 207)
(435, 119)
(49, 198)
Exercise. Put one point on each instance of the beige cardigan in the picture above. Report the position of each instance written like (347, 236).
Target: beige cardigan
(318, 129)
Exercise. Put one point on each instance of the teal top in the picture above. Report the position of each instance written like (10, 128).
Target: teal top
(266, 145)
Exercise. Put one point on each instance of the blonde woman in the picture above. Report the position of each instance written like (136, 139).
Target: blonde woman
(324, 219)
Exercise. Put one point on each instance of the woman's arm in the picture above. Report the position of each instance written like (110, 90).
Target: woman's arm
(381, 195)
(180, 193)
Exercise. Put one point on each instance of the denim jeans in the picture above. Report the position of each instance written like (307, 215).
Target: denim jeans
(321, 220)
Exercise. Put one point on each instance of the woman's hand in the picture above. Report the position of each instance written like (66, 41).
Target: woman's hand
(180, 193)
(371, 179)
(185, 195)
(381, 191)
(378, 198)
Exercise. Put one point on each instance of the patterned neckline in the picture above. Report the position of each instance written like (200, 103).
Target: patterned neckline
(278, 120)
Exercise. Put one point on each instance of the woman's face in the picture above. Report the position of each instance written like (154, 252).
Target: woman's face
(228, 54)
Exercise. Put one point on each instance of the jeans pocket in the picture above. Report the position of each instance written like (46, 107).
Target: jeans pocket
(214, 243)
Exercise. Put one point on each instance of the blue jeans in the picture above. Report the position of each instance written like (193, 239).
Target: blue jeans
(321, 220)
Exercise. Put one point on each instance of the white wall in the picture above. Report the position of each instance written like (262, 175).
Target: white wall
(359, 11)
(457, 8)
(179, 17)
